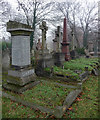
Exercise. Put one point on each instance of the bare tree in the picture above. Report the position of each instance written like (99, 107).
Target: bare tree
(69, 10)
(79, 15)
(87, 18)
(35, 11)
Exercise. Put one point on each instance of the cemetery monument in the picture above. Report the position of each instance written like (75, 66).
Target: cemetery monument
(21, 75)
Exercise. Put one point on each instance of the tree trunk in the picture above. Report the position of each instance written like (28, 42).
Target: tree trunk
(33, 26)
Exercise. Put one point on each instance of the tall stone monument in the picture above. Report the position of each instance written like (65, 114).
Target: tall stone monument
(57, 40)
(58, 56)
(21, 75)
(44, 58)
(65, 43)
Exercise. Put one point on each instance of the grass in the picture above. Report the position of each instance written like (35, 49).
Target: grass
(85, 106)
(45, 94)
(72, 69)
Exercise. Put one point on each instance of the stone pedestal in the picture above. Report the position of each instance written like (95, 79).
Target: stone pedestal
(20, 76)
(43, 60)
(43, 57)
(59, 59)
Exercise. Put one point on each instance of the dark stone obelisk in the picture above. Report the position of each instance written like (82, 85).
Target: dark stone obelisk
(65, 43)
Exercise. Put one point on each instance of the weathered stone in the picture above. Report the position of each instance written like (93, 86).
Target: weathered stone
(65, 43)
(71, 97)
(20, 89)
(44, 28)
(57, 40)
(74, 54)
(20, 50)
(59, 58)
(43, 57)
(20, 76)
(29, 104)
(5, 60)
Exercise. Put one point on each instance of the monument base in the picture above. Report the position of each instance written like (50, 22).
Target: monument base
(43, 60)
(59, 58)
(20, 80)
(20, 77)
(20, 89)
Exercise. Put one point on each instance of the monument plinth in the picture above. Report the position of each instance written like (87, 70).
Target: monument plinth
(44, 58)
(65, 43)
(21, 74)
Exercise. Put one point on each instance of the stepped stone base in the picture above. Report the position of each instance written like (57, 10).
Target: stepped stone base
(20, 77)
(20, 89)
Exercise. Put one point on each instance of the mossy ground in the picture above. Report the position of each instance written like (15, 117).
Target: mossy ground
(46, 94)
(85, 106)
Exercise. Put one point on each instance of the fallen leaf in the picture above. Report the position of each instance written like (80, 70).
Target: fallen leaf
(70, 108)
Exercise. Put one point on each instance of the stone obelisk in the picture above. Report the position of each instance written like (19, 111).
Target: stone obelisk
(65, 43)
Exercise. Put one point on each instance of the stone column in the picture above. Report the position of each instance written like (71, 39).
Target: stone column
(65, 43)
(20, 74)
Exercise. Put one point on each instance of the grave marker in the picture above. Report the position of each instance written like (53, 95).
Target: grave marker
(65, 43)
(20, 74)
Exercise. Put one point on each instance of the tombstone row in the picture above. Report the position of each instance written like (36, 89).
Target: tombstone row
(21, 75)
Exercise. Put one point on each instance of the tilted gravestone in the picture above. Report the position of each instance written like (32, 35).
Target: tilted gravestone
(21, 74)
(58, 56)
(44, 58)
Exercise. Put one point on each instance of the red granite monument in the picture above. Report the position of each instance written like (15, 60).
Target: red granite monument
(65, 43)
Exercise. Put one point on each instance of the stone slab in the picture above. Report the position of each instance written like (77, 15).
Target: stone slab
(19, 89)
(20, 81)
(20, 73)
(20, 50)
(68, 101)
(28, 104)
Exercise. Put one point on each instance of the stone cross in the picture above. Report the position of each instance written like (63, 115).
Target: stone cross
(44, 28)
(58, 34)
(57, 40)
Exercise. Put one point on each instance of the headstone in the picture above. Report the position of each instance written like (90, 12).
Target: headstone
(65, 43)
(57, 40)
(58, 56)
(5, 60)
(87, 53)
(39, 45)
(74, 54)
(43, 57)
(90, 46)
(20, 74)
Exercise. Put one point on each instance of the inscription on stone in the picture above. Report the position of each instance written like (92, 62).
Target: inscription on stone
(20, 50)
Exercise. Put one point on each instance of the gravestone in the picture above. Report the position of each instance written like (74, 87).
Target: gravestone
(91, 48)
(39, 45)
(5, 60)
(65, 43)
(43, 57)
(74, 54)
(58, 56)
(20, 76)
